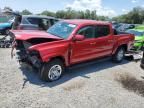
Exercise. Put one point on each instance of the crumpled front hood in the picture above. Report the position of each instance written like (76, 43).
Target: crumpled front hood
(3, 25)
(31, 34)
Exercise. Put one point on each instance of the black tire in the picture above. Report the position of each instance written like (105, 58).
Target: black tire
(116, 57)
(45, 71)
(142, 63)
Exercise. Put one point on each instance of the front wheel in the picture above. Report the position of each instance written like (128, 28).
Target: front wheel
(52, 70)
(119, 55)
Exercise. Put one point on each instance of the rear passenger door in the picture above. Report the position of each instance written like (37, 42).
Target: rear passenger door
(104, 41)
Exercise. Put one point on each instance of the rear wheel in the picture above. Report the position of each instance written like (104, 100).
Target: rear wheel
(119, 55)
(52, 70)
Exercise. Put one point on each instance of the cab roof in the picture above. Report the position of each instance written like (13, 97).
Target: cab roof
(82, 21)
(38, 16)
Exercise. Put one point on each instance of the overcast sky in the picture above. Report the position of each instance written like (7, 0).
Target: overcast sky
(103, 7)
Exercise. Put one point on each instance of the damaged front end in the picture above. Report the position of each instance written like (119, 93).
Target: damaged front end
(24, 55)
(25, 41)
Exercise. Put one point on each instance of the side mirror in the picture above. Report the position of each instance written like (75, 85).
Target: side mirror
(79, 37)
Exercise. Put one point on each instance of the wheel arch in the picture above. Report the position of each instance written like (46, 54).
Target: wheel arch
(60, 58)
(125, 46)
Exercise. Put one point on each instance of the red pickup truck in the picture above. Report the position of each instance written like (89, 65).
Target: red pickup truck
(70, 42)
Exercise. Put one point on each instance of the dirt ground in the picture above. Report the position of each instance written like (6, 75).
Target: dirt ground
(96, 85)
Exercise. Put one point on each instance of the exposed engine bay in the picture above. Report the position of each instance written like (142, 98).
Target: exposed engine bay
(26, 56)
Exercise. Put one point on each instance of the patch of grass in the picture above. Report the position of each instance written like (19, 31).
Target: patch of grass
(131, 83)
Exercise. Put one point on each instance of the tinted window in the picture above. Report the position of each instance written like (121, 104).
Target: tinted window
(51, 22)
(33, 20)
(55, 21)
(45, 23)
(24, 21)
(102, 30)
(87, 31)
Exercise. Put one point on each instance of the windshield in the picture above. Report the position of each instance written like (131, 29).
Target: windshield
(136, 33)
(61, 29)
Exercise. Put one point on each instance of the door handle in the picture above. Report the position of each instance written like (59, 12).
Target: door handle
(93, 43)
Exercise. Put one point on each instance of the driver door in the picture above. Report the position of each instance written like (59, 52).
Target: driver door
(84, 50)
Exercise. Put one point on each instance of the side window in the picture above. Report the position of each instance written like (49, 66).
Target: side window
(24, 21)
(102, 30)
(55, 21)
(34, 21)
(87, 31)
(46, 23)
(51, 22)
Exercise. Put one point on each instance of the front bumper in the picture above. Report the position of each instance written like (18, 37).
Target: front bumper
(22, 57)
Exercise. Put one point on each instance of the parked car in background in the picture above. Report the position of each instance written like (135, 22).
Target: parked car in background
(5, 27)
(31, 22)
(139, 37)
(67, 43)
(115, 25)
(24, 22)
(123, 27)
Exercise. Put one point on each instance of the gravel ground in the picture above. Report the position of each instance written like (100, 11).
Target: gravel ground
(98, 85)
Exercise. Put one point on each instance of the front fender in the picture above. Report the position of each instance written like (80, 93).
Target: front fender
(52, 50)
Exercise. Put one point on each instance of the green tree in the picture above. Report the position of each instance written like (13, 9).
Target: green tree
(26, 12)
(7, 8)
(48, 13)
(136, 16)
(103, 18)
(60, 14)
